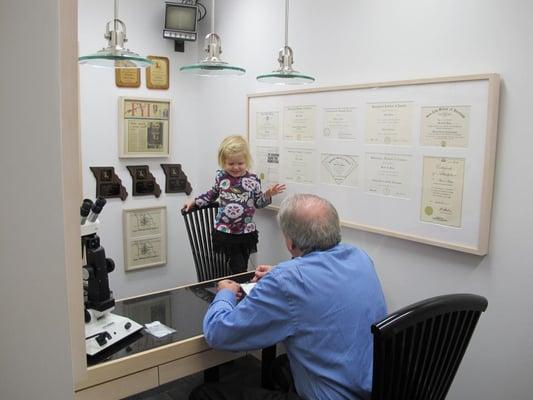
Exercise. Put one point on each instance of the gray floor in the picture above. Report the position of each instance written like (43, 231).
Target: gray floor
(244, 371)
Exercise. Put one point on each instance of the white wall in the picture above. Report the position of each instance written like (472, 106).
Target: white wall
(345, 42)
(99, 129)
(35, 353)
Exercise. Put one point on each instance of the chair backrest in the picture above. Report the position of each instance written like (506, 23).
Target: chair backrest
(200, 222)
(418, 349)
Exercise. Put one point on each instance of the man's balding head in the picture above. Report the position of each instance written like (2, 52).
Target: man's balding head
(310, 222)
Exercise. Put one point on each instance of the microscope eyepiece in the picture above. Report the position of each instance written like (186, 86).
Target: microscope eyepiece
(85, 209)
(96, 208)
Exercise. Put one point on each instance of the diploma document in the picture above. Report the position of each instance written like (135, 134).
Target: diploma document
(445, 126)
(299, 123)
(442, 190)
(339, 123)
(389, 123)
(388, 174)
(267, 125)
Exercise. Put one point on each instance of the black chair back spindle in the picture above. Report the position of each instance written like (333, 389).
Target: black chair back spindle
(418, 349)
(199, 222)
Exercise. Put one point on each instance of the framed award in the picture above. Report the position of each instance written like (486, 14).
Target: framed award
(144, 127)
(128, 77)
(157, 73)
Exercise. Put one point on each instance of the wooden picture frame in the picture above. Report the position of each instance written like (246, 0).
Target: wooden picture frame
(157, 75)
(145, 237)
(144, 127)
(128, 77)
(409, 159)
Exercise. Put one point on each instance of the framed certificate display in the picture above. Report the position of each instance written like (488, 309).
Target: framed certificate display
(157, 73)
(145, 237)
(144, 127)
(128, 77)
(408, 159)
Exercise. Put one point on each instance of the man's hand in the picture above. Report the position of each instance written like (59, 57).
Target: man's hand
(231, 285)
(261, 271)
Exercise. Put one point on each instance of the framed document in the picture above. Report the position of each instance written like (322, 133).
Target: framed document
(157, 73)
(408, 159)
(128, 77)
(144, 127)
(145, 237)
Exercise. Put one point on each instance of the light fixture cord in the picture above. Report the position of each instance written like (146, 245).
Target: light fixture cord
(115, 18)
(213, 16)
(286, 22)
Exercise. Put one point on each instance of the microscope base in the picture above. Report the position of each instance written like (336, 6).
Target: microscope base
(108, 330)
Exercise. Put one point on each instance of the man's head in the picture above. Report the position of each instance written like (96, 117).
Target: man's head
(308, 223)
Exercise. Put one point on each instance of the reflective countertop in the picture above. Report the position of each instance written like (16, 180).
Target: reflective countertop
(182, 309)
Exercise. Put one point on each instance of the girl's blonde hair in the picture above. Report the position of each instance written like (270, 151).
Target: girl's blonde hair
(231, 146)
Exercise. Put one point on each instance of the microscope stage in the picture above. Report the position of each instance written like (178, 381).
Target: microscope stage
(108, 330)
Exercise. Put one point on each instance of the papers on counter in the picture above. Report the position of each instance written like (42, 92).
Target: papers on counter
(247, 287)
(158, 330)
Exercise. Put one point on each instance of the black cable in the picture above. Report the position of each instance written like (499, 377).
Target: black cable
(202, 13)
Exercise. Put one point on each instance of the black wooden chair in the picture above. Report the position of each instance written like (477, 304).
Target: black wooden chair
(418, 349)
(199, 222)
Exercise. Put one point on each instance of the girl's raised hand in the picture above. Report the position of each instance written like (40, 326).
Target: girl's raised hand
(275, 189)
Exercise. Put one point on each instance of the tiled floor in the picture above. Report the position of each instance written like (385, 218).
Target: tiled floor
(243, 370)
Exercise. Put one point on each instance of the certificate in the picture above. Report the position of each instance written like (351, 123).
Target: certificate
(157, 73)
(267, 162)
(388, 174)
(442, 190)
(445, 126)
(389, 123)
(339, 169)
(267, 125)
(299, 123)
(298, 165)
(144, 237)
(339, 123)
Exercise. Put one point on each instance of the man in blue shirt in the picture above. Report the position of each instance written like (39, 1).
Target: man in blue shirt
(320, 305)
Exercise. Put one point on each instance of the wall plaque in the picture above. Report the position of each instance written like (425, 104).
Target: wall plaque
(108, 184)
(128, 77)
(176, 180)
(144, 183)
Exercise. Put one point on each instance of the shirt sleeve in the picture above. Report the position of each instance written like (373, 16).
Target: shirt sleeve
(211, 195)
(261, 319)
(260, 199)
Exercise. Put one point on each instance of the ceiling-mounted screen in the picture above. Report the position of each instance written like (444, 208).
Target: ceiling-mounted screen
(180, 21)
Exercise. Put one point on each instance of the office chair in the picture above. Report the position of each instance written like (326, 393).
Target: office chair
(418, 349)
(199, 222)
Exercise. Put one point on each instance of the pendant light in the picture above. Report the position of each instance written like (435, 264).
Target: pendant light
(212, 65)
(285, 75)
(115, 55)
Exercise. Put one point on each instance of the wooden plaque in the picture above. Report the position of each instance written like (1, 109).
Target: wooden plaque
(176, 180)
(108, 184)
(157, 74)
(128, 77)
(144, 182)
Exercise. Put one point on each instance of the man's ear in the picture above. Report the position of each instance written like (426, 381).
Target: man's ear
(290, 244)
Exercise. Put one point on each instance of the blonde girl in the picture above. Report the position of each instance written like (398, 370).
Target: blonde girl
(239, 193)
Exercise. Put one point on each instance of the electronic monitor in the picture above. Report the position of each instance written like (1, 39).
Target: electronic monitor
(180, 21)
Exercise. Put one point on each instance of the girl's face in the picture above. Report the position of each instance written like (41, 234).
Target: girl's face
(235, 165)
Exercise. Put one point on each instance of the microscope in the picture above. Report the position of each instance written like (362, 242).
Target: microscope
(102, 328)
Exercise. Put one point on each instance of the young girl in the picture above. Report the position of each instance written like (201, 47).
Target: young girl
(239, 194)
